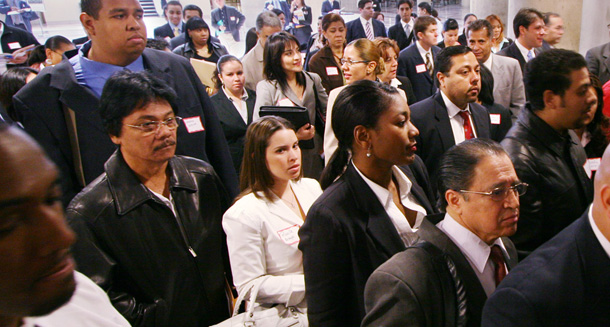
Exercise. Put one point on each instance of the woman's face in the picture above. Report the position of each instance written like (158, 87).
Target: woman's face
(232, 77)
(393, 137)
(55, 56)
(283, 155)
(335, 34)
(353, 67)
(200, 36)
(497, 29)
(391, 66)
(292, 59)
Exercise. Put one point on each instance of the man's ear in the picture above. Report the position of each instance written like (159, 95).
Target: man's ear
(454, 200)
(87, 21)
(550, 99)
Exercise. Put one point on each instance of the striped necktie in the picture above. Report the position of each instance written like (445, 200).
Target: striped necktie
(369, 33)
(429, 64)
(497, 258)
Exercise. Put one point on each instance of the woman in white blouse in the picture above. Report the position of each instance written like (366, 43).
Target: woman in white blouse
(262, 225)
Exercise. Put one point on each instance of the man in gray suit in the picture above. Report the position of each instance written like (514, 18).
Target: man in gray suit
(446, 277)
(598, 61)
(508, 78)
(267, 23)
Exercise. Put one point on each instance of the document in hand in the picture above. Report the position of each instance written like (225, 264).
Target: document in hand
(205, 71)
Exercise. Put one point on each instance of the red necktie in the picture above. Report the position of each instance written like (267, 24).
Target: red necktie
(468, 132)
(497, 258)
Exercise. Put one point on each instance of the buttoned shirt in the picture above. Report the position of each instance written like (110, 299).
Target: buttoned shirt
(239, 103)
(475, 250)
(457, 123)
(174, 27)
(600, 237)
(404, 229)
(370, 21)
(410, 23)
(423, 52)
(524, 51)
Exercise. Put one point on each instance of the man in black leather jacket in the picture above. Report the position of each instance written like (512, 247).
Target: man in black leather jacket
(546, 154)
(149, 228)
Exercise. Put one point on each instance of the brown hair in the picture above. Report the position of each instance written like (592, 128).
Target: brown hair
(327, 20)
(384, 43)
(368, 51)
(255, 177)
(422, 23)
(491, 19)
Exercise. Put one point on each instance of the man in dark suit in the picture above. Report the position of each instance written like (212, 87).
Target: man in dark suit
(227, 19)
(450, 116)
(480, 193)
(173, 13)
(417, 60)
(565, 281)
(403, 31)
(598, 62)
(17, 42)
(330, 5)
(59, 107)
(365, 26)
(528, 26)
(553, 25)
(188, 12)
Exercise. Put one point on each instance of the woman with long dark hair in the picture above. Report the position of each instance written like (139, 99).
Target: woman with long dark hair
(198, 44)
(287, 85)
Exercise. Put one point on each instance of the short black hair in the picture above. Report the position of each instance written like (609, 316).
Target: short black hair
(126, 92)
(547, 17)
(362, 3)
(278, 12)
(91, 7)
(525, 17)
(550, 70)
(480, 24)
(457, 168)
(486, 94)
(444, 59)
(11, 82)
(426, 6)
(450, 24)
(192, 7)
(157, 44)
(55, 42)
(37, 56)
(196, 23)
(409, 2)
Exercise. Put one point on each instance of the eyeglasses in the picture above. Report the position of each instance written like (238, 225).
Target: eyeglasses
(500, 193)
(151, 127)
(350, 62)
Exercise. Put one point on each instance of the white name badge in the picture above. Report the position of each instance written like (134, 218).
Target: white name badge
(285, 102)
(232, 18)
(332, 71)
(594, 163)
(587, 168)
(495, 119)
(420, 68)
(14, 45)
(193, 124)
(289, 235)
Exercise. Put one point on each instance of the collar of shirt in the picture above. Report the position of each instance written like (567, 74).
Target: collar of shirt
(1, 28)
(94, 74)
(423, 52)
(489, 62)
(452, 109)
(410, 23)
(395, 82)
(232, 98)
(470, 244)
(179, 26)
(600, 237)
(524, 50)
(364, 21)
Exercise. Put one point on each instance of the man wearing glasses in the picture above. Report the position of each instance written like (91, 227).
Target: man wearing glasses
(446, 277)
(149, 228)
(546, 153)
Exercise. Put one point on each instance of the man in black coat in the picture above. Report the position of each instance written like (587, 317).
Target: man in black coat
(356, 29)
(528, 26)
(16, 41)
(398, 32)
(59, 107)
(174, 26)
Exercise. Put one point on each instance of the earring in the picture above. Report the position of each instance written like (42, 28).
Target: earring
(48, 62)
(368, 152)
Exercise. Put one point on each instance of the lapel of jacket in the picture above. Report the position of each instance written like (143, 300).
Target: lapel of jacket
(498, 69)
(594, 261)
(158, 68)
(512, 258)
(416, 190)
(606, 56)
(378, 224)
(228, 111)
(250, 104)
(443, 126)
(480, 118)
(281, 210)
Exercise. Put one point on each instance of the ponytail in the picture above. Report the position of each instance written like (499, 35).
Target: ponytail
(335, 167)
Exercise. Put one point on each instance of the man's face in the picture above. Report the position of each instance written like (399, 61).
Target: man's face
(367, 11)
(404, 10)
(429, 36)
(142, 148)
(482, 215)
(554, 31)
(119, 34)
(36, 268)
(190, 13)
(576, 103)
(480, 44)
(220, 3)
(266, 32)
(533, 35)
(173, 14)
(461, 85)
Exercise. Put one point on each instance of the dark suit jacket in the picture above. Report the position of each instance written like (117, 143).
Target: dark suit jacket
(423, 83)
(347, 234)
(235, 20)
(40, 107)
(233, 125)
(598, 61)
(327, 6)
(355, 30)
(545, 46)
(14, 34)
(563, 283)
(435, 133)
(164, 31)
(513, 52)
(397, 33)
(406, 291)
(500, 123)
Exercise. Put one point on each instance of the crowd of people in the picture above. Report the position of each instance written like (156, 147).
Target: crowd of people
(356, 176)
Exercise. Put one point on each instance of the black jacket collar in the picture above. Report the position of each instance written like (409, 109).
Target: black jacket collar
(543, 131)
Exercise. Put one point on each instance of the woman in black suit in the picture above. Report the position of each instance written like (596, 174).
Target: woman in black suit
(232, 95)
(370, 207)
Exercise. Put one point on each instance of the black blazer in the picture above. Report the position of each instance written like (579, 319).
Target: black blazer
(501, 121)
(423, 83)
(346, 236)
(164, 31)
(512, 51)
(233, 125)
(435, 133)
(397, 33)
(355, 30)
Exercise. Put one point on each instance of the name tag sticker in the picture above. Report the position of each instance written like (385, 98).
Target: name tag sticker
(14, 45)
(587, 168)
(594, 163)
(289, 235)
(193, 124)
(495, 119)
(232, 18)
(285, 102)
(420, 68)
(332, 71)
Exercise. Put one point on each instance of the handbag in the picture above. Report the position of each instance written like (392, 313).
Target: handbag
(277, 315)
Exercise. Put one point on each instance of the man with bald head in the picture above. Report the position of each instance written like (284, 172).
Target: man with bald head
(565, 281)
(38, 284)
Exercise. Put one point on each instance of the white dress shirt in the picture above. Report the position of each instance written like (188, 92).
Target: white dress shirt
(239, 103)
(405, 231)
(475, 250)
(410, 23)
(489, 62)
(457, 123)
(364, 21)
(262, 238)
(423, 52)
(600, 237)
(524, 50)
